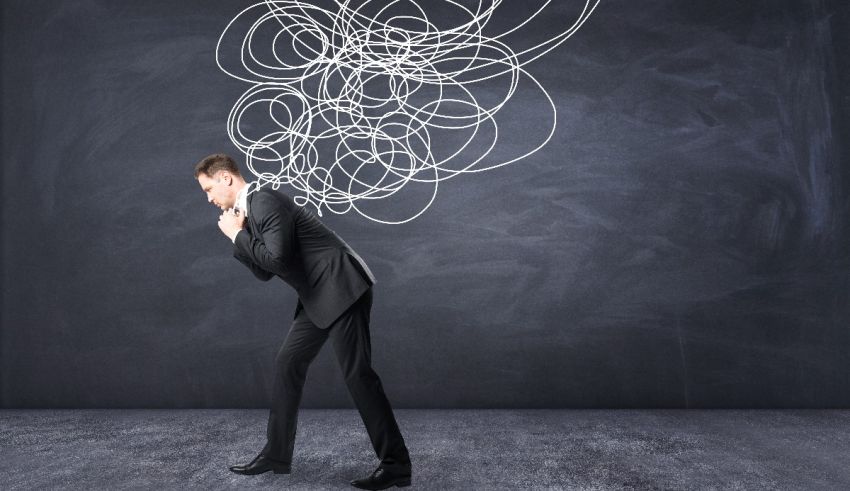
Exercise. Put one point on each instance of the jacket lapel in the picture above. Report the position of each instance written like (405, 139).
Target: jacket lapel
(252, 221)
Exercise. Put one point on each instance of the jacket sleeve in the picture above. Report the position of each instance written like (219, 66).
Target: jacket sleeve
(276, 234)
(258, 271)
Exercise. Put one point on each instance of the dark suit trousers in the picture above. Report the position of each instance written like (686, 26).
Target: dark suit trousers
(350, 337)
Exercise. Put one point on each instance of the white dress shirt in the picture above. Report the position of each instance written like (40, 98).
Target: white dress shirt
(242, 205)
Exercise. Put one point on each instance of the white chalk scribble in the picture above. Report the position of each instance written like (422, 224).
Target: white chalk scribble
(355, 103)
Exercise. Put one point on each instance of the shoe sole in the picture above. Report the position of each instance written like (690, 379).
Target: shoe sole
(276, 471)
(400, 484)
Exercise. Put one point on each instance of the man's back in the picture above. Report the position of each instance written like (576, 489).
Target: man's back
(289, 241)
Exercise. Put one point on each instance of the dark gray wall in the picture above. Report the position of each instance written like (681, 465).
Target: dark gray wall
(682, 241)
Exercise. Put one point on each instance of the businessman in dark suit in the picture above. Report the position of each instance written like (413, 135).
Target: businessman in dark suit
(273, 236)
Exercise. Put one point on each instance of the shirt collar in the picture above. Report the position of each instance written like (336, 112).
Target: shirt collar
(242, 198)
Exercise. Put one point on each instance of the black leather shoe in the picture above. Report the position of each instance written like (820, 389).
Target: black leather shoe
(259, 465)
(382, 479)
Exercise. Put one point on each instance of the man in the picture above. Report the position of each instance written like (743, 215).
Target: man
(334, 300)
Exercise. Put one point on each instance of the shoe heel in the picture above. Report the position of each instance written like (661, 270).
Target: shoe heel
(281, 470)
(403, 484)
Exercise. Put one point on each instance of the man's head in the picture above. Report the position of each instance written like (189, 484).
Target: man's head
(219, 177)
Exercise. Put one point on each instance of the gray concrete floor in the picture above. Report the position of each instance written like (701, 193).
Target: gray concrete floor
(450, 449)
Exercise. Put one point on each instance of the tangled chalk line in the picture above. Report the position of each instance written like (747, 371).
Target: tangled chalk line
(351, 104)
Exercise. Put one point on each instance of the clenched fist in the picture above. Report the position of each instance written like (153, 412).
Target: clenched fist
(231, 222)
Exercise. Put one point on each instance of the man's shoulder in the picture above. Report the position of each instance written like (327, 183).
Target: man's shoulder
(269, 199)
(269, 195)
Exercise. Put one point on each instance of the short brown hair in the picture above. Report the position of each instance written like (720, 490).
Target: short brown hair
(211, 164)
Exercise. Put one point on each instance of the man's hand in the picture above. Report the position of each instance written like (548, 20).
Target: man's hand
(231, 222)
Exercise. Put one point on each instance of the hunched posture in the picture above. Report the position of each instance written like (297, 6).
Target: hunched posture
(334, 287)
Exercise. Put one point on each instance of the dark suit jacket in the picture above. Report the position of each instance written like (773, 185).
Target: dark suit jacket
(283, 239)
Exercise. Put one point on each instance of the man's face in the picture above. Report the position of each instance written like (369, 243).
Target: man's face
(219, 189)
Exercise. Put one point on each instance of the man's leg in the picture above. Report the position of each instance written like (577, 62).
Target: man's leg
(352, 344)
(300, 347)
